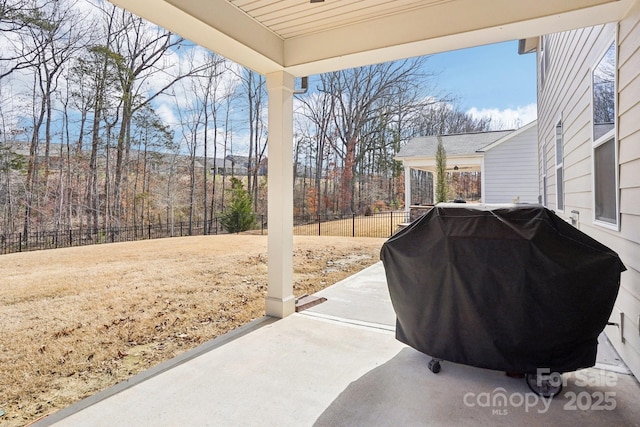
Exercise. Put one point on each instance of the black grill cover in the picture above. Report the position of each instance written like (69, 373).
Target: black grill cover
(508, 288)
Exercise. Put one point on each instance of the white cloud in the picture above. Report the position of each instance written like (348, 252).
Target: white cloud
(166, 112)
(509, 118)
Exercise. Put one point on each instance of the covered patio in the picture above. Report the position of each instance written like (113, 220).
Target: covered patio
(506, 161)
(462, 155)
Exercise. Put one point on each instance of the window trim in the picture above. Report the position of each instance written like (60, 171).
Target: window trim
(612, 134)
(559, 165)
(545, 195)
(544, 59)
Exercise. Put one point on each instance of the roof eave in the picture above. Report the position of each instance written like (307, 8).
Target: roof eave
(528, 45)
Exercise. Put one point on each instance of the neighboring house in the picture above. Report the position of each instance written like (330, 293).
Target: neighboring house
(220, 166)
(589, 148)
(510, 169)
(506, 161)
(237, 165)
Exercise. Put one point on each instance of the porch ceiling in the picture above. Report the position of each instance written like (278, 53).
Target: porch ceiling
(454, 163)
(306, 38)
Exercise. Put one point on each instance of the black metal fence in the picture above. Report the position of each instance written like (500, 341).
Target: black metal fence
(37, 240)
(382, 224)
(376, 225)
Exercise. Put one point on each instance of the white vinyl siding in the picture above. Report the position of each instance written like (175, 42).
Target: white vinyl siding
(571, 95)
(567, 93)
(628, 242)
(511, 170)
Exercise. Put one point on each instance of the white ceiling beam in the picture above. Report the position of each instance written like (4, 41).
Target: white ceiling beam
(425, 31)
(216, 25)
(445, 26)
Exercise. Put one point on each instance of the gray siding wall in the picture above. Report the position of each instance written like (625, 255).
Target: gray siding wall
(511, 170)
(566, 95)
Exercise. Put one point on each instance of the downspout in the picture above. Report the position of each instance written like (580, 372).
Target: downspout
(304, 86)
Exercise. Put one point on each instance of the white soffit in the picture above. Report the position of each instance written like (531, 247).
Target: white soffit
(306, 38)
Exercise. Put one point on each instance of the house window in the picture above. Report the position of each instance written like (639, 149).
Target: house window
(605, 189)
(559, 168)
(605, 176)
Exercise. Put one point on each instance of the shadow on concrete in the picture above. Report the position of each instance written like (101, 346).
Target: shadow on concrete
(404, 391)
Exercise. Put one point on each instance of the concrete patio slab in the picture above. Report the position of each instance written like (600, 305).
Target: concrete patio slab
(363, 297)
(338, 364)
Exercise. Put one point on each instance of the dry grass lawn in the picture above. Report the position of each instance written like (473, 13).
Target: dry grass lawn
(77, 320)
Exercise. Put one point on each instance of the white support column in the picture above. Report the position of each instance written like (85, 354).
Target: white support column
(407, 189)
(280, 300)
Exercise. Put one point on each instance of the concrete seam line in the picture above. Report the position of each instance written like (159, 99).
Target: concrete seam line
(369, 325)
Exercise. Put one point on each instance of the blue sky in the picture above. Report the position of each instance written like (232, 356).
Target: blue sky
(492, 80)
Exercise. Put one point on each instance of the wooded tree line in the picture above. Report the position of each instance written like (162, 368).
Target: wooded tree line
(107, 120)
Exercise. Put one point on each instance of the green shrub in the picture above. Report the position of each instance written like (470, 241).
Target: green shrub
(238, 216)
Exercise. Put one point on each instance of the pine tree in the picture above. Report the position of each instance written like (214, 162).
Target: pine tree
(441, 173)
(239, 215)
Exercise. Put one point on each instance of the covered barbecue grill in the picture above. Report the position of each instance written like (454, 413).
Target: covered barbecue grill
(511, 288)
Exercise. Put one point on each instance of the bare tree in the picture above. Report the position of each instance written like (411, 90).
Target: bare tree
(254, 90)
(150, 137)
(361, 96)
(18, 19)
(97, 90)
(50, 41)
(147, 52)
(316, 112)
(11, 166)
(212, 94)
(445, 118)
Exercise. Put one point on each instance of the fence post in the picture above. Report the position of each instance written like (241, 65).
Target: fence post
(391, 229)
(20, 242)
(149, 233)
(70, 238)
(353, 225)
(319, 225)
(261, 223)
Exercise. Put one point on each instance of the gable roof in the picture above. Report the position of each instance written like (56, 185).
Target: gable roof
(531, 125)
(464, 144)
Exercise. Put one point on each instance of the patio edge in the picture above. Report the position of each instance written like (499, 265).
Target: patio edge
(232, 335)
